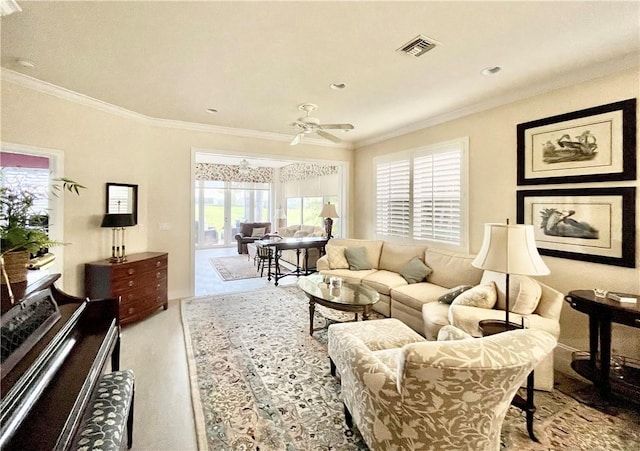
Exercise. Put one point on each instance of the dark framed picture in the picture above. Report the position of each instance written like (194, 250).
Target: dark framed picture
(593, 145)
(592, 224)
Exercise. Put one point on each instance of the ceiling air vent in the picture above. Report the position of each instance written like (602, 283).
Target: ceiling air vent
(418, 46)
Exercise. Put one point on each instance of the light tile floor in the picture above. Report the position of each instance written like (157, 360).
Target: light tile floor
(154, 350)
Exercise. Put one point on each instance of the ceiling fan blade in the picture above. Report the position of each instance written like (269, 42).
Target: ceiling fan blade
(296, 139)
(329, 136)
(337, 126)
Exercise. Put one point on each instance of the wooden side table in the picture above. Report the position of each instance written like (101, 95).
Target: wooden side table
(602, 312)
(491, 327)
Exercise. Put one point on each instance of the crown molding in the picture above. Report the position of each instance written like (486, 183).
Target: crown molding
(7, 75)
(626, 62)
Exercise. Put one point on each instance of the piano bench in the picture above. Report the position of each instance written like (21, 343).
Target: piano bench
(109, 413)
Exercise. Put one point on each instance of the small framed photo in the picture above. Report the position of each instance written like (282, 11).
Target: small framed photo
(593, 145)
(592, 224)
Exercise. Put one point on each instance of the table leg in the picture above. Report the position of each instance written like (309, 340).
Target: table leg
(312, 311)
(530, 407)
(269, 268)
(365, 312)
(277, 267)
(605, 355)
(593, 340)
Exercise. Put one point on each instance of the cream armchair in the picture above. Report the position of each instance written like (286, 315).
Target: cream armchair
(431, 394)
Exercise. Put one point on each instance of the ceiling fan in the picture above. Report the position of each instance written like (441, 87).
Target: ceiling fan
(308, 125)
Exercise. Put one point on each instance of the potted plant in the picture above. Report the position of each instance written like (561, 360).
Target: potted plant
(21, 231)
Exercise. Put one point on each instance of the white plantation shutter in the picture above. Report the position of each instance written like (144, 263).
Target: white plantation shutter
(393, 198)
(437, 196)
(420, 195)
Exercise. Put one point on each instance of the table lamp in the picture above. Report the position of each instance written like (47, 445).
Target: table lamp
(117, 221)
(510, 249)
(328, 213)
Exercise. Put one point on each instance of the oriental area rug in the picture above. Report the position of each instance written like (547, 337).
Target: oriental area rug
(261, 382)
(237, 267)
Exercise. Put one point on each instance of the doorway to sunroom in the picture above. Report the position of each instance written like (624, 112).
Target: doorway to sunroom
(233, 189)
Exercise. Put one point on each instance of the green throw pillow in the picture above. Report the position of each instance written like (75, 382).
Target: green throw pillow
(415, 271)
(448, 296)
(357, 258)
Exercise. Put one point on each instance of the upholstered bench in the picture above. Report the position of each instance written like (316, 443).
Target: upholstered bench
(109, 414)
(378, 335)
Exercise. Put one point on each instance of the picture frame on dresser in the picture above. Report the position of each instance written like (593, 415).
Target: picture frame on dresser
(591, 145)
(589, 224)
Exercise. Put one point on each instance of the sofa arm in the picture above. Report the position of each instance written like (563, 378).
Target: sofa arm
(466, 317)
(323, 263)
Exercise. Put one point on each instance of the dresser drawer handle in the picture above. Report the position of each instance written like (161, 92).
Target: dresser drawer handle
(131, 271)
(131, 283)
(158, 275)
(158, 263)
(131, 310)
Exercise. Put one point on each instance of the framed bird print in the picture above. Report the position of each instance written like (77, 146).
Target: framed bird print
(592, 224)
(592, 145)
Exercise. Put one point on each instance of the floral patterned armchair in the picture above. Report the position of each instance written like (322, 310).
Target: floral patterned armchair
(431, 394)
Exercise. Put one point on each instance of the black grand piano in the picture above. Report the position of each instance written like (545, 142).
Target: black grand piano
(54, 349)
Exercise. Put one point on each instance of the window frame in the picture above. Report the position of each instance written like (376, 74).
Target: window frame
(461, 144)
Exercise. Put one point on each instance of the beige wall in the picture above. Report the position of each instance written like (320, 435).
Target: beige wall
(101, 147)
(492, 181)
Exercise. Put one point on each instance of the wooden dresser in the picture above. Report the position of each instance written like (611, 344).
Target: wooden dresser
(141, 283)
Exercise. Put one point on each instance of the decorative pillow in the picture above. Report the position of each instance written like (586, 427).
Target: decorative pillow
(258, 232)
(335, 255)
(483, 296)
(415, 271)
(357, 258)
(300, 234)
(448, 296)
(524, 292)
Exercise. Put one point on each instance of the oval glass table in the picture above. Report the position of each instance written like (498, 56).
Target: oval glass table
(350, 297)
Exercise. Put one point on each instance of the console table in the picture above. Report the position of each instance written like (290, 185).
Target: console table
(280, 244)
(141, 283)
(596, 366)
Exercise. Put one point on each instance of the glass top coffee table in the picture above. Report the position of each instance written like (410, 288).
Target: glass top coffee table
(350, 297)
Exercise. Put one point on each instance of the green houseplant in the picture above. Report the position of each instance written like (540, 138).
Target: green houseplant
(21, 232)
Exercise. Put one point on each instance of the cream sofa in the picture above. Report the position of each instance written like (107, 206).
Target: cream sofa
(298, 231)
(417, 305)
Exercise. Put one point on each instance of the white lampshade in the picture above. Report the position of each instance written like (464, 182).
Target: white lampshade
(329, 211)
(510, 249)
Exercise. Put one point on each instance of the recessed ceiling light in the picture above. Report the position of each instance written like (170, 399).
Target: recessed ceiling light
(211, 110)
(25, 63)
(338, 86)
(491, 70)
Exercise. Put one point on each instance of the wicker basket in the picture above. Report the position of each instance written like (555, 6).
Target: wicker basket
(15, 265)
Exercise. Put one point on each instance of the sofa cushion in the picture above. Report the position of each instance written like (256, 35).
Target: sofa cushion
(300, 234)
(415, 295)
(308, 229)
(483, 296)
(373, 248)
(451, 269)
(336, 257)
(383, 281)
(524, 292)
(288, 231)
(415, 270)
(394, 257)
(258, 232)
(357, 258)
(448, 296)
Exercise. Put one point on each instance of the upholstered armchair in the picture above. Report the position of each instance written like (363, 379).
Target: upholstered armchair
(250, 232)
(432, 394)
